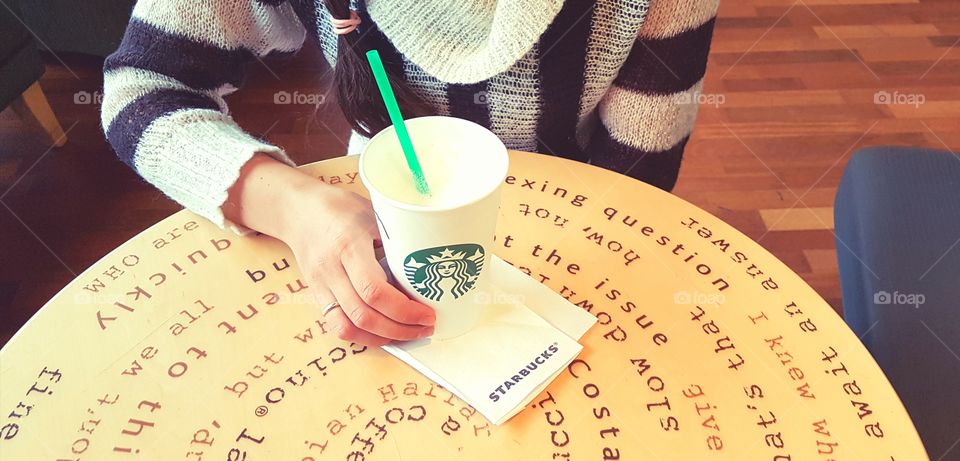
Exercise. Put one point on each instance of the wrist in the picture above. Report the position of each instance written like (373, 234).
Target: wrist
(292, 205)
(262, 195)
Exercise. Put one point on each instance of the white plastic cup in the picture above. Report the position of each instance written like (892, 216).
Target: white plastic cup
(438, 248)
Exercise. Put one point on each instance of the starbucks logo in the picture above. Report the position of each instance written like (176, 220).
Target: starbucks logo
(448, 270)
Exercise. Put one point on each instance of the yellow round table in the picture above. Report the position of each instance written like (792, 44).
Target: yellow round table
(191, 343)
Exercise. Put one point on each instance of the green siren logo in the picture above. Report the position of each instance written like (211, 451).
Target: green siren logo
(450, 269)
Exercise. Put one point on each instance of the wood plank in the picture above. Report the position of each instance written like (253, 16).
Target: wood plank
(802, 218)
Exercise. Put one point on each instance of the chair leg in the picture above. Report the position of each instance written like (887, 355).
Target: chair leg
(33, 108)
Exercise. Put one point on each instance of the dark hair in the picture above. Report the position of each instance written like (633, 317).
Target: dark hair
(356, 88)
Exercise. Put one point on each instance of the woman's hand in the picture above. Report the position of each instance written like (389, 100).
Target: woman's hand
(332, 233)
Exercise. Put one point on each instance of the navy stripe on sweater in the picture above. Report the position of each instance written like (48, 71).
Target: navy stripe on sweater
(128, 126)
(306, 11)
(469, 101)
(563, 54)
(658, 168)
(372, 38)
(198, 65)
(669, 65)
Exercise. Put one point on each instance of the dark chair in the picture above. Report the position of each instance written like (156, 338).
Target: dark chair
(897, 217)
(90, 27)
(20, 69)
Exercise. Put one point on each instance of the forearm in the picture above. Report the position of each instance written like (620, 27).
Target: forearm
(263, 193)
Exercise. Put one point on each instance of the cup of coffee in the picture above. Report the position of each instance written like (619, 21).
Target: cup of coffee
(438, 246)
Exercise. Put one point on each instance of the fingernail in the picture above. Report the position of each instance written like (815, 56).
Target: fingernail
(426, 332)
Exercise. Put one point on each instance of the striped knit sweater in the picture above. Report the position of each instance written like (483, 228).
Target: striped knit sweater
(610, 82)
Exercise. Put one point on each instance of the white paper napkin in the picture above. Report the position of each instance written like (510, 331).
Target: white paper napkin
(526, 338)
(546, 303)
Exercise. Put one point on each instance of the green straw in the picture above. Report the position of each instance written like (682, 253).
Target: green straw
(389, 100)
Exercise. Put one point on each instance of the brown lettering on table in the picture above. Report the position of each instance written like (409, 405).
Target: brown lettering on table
(610, 293)
(825, 443)
(202, 440)
(872, 426)
(722, 245)
(137, 296)
(239, 451)
(377, 428)
(313, 447)
(136, 367)
(135, 426)
(89, 423)
(554, 258)
(580, 369)
(307, 335)
(806, 325)
(316, 368)
(656, 384)
(169, 236)
(259, 275)
(559, 437)
(112, 273)
(605, 293)
(245, 314)
(42, 387)
(629, 256)
(256, 372)
(786, 359)
(724, 346)
(544, 214)
(540, 277)
(767, 422)
(464, 415)
(690, 259)
(336, 425)
(723, 343)
(179, 368)
(188, 316)
(119, 307)
(544, 188)
(776, 345)
(708, 417)
(342, 178)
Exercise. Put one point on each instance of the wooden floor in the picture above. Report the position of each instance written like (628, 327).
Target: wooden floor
(792, 90)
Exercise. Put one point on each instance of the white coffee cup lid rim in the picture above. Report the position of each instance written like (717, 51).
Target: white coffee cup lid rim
(422, 208)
